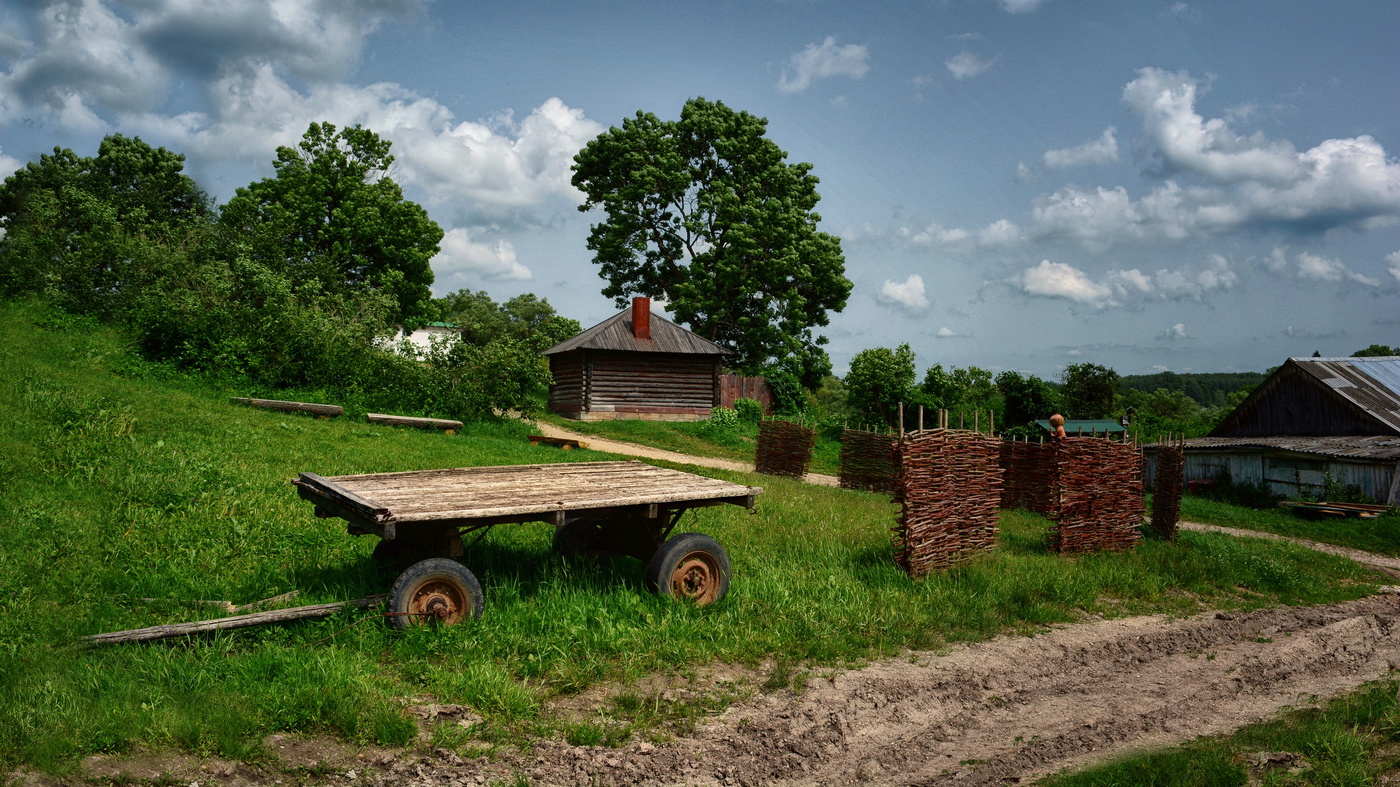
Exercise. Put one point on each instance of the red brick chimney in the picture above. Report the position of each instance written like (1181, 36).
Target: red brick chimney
(641, 317)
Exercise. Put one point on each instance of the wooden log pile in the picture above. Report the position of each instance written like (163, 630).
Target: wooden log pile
(868, 460)
(949, 490)
(1028, 476)
(784, 448)
(1166, 486)
(1100, 501)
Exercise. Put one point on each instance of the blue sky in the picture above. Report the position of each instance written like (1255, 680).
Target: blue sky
(1018, 184)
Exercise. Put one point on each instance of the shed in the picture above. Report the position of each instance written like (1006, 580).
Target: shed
(1311, 419)
(635, 365)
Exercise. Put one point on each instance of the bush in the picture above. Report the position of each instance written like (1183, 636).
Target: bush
(723, 419)
(748, 411)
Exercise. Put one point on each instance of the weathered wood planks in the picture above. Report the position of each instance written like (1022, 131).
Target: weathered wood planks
(523, 490)
(417, 423)
(328, 410)
(236, 622)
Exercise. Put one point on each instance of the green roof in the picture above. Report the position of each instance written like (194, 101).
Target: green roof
(1086, 426)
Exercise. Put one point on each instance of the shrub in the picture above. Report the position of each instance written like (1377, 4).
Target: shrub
(748, 411)
(723, 419)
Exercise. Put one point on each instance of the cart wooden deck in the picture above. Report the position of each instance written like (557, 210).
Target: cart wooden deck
(626, 507)
(380, 503)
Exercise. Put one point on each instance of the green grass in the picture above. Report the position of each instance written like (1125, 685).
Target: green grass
(696, 439)
(1380, 535)
(121, 488)
(1350, 741)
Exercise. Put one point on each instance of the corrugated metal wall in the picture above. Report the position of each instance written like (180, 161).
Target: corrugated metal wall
(1289, 474)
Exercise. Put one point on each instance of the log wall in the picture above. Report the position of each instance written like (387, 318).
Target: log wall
(600, 385)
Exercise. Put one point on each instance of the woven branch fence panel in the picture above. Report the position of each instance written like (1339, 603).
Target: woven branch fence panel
(1100, 495)
(949, 491)
(1166, 487)
(868, 460)
(784, 448)
(1028, 476)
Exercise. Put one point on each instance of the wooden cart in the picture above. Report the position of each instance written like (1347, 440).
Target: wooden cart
(626, 508)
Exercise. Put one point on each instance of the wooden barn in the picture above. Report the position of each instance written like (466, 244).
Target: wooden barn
(1312, 418)
(635, 365)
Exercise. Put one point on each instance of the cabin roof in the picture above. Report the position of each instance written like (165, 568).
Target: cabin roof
(1370, 385)
(1376, 447)
(615, 333)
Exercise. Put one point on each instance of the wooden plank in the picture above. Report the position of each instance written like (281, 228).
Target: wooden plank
(236, 622)
(417, 423)
(563, 442)
(328, 410)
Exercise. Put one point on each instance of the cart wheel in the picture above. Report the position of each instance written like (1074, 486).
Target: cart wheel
(690, 566)
(436, 590)
(578, 538)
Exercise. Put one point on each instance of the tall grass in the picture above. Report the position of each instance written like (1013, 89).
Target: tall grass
(130, 498)
(1380, 535)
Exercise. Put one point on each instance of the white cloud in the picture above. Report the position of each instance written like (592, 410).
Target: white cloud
(1058, 280)
(8, 164)
(1128, 287)
(1175, 333)
(1100, 151)
(1315, 267)
(907, 295)
(818, 61)
(1020, 6)
(966, 64)
(948, 333)
(1319, 268)
(462, 257)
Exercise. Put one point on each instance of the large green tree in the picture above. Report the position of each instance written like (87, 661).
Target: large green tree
(1026, 398)
(879, 379)
(92, 232)
(1088, 390)
(333, 215)
(706, 213)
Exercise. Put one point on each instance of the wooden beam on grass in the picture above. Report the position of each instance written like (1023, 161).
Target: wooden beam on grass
(327, 410)
(417, 423)
(236, 622)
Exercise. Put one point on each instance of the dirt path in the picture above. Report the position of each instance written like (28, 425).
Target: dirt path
(647, 452)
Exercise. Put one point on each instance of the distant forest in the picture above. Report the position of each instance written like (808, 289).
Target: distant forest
(1208, 390)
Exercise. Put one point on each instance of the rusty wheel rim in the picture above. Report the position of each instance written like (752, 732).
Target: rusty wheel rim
(697, 578)
(438, 601)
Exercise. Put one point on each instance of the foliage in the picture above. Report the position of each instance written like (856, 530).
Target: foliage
(748, 410)
(1376, 351)
(959, 389)
(789, 396)
(525, 318)
(1088, 390)
(1247, 494)
(92, 233)
(705, 213)
(1207, 389)
(879, 379)
(334, 215)
(1027, 399)
(724, 418)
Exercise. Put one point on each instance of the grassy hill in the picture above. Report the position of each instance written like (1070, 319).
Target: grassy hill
(132, 495)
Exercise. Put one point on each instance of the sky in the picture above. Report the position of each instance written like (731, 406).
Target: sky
(1017, 184)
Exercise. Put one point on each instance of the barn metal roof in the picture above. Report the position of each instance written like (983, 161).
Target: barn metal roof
(1381, 447)
(615, 333)
(1373, 384)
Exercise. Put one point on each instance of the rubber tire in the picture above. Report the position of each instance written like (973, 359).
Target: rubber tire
(578, 538)
(692, 567)
(437, 582)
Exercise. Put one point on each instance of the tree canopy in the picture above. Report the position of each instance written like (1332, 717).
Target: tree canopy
(334, 215)
(93, 231)
(1376, 351)
(705, 213)
(879, 379)
(1088, 390)
(525, 318)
